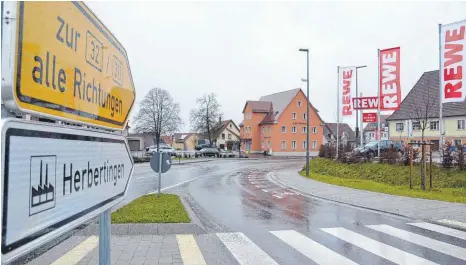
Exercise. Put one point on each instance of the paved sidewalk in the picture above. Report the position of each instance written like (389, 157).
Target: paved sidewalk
(399, 205)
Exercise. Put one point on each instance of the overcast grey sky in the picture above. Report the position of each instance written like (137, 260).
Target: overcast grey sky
(243, 50)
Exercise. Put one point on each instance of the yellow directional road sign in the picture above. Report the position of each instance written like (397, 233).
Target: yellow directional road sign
(69, 66)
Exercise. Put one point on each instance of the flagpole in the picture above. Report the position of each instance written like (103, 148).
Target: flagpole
(440, 88)
(361, 135)
(380, 102)
(338, 109)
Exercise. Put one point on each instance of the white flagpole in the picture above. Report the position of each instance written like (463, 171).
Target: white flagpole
(361, 136)
(380, 102)
(440, 88)
(338, 109)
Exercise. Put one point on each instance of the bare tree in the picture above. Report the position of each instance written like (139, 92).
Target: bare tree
(423, 110)
(204, 118)
(159, 114)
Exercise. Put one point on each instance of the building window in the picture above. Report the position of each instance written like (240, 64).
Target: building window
(400, 126)
(300, 103)
(229, 136)
(262, 144)
(223, 136)
(230, 126)
(304, 145)
(416, 125)
(293, 115)
(304, 116)
(461, 124)
(283, 129)
(268, 129)
(304, 129)
(293, 129)
(314, 144)
(293, 144)
(457, 142)
(434, 125)
(263, 130)
(268, 144)
(283, 144)
(314, 130)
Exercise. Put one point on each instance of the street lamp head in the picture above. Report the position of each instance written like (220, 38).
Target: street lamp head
(362, 66)
(303, 50)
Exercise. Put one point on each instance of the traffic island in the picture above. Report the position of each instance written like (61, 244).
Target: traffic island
(151, 209)
(448, 184)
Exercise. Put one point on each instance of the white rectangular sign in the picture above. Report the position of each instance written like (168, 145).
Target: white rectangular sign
(452, 62)
(55, 178)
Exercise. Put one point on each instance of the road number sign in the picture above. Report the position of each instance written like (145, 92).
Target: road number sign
(166, 162)
(55, 178)
(62, 62)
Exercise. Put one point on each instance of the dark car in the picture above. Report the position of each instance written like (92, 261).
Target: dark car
(210, 152)
(202, 143)
(370, 150)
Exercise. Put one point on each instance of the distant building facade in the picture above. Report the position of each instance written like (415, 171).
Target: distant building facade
(370, 130)
(277, 123)
(405, 125)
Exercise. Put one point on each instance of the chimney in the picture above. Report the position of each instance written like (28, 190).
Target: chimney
(220, 119)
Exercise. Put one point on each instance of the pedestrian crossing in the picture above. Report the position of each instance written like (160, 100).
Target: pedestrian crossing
(405, 246)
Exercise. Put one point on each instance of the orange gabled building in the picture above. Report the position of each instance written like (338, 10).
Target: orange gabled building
(277, 122)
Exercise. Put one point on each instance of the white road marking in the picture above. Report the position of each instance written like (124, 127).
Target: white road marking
(77, 253)
(453, 222)
(424, 241)
(277, 196)
(244, 250)
(383, 250)
(172, 186)
(311, 249)
(441, 229)
(265, 190)
(189, 250)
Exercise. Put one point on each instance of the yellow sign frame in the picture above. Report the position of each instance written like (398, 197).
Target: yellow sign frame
(65, 65)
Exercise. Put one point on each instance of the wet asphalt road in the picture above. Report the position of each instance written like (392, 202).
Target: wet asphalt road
(237, 196)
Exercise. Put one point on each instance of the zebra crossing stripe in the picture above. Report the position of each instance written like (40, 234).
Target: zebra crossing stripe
(312, 249)
(380, 249)
(244, 250)
(189, 250)
(441, 229)
(424, 241)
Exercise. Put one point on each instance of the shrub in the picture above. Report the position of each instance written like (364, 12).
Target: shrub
(459, 157)
(390, 156)
(447, 157)
(322, 151)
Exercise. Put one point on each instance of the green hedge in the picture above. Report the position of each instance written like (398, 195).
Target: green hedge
(389, 174)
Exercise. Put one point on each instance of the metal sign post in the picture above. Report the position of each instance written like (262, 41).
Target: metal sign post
(104, 237)
(160, 173)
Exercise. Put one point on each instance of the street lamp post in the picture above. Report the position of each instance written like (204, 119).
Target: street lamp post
(307, 111)
(358, 132)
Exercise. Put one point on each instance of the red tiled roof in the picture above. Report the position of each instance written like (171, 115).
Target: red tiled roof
(258, 106)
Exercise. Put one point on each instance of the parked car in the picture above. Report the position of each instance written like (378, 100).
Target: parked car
(370, 149)
(164, 148)
(203, 143)
(210, 152)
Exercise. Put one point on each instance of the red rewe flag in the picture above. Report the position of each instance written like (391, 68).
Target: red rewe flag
(346, 77)
(452, 53)
(390, 89)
